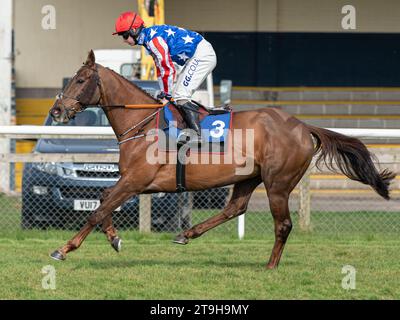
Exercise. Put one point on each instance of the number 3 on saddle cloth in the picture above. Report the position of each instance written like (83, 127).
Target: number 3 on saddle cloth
(215, 128)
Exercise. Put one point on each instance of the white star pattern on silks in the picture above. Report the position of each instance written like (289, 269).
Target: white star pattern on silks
(152, 33)
(183, 56)
(188, 39)
(170, 32)
(181, 29)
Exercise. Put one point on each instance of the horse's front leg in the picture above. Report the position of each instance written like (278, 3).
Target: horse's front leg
(111, 233)
(116, 197)
(107, 225)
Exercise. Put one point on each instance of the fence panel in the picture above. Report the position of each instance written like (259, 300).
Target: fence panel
(59, 192)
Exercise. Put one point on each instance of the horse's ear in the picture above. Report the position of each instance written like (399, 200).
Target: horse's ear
(90, 61)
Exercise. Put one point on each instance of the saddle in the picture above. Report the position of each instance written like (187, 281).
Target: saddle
(203, 112)
(216, 122)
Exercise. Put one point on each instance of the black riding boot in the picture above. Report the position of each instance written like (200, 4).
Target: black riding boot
(191, 115)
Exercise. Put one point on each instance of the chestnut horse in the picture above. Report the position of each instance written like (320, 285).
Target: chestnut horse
(283, 150)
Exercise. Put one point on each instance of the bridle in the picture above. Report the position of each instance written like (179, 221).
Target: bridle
(87, 95)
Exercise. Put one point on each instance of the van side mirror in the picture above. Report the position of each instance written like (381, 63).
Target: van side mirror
(225, 90)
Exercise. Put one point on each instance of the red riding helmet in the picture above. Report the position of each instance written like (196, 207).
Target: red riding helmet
(127, 21)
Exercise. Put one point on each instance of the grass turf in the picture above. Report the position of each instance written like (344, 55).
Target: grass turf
(215, 266)
(151, 267)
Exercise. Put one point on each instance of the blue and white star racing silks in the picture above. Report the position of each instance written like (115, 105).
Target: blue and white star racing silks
(171, 46)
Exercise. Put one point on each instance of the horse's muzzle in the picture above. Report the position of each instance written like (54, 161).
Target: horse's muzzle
(55, 112)
(59, 115)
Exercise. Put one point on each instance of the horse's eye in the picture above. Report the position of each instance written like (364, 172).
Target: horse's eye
(81, 81)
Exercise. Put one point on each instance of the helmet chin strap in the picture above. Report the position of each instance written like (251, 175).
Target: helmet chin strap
(137, 33)
(133, 21)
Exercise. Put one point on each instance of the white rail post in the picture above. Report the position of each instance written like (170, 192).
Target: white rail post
(145, 213)
(304, 202)
(5, 85)
(241, 222)
(241, 219)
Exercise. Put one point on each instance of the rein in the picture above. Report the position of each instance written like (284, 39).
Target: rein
(137, 134)
(90, 91)
(133, 106)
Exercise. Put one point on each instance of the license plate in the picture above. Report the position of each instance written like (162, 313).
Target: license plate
(88, 205)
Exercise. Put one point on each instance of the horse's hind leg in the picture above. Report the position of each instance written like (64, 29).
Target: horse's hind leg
(279, 188)
(237, 205)
(279, 205)
(107, 225)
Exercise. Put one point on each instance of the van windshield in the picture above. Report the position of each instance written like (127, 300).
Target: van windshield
(94, 117)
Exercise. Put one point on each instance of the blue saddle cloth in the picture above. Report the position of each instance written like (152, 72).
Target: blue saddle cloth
(215, 130)
(214, 127)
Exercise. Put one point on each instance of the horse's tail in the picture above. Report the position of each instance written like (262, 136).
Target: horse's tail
(352, 158)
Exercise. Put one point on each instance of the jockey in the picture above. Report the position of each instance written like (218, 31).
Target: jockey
(183, 59)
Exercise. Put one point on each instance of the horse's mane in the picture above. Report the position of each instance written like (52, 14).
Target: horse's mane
(130, 83)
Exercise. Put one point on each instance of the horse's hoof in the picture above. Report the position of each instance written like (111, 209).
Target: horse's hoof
(116, 244)
(57, 255)
(271, 267)
(181, 239)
